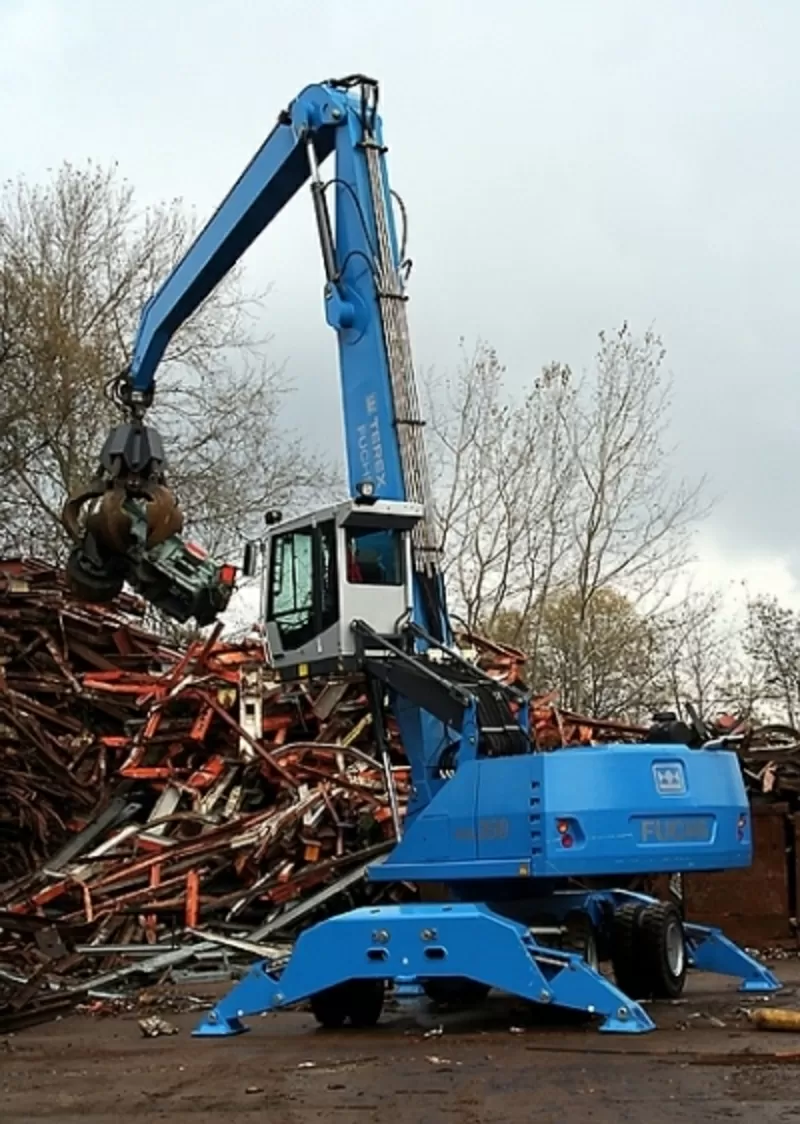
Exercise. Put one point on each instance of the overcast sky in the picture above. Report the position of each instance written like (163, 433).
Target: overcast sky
(566, 164)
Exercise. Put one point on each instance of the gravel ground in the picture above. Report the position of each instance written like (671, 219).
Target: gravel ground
(704, 1063)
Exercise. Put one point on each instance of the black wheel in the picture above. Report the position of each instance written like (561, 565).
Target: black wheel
(365, 1002)
(329, 1007)
(360, 1001)
(663, 950)
(580, 937)
(626, 950)
(455, 990)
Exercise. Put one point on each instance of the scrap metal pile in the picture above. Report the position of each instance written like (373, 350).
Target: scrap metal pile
(770, 757)
(152, 797)
(144, 789)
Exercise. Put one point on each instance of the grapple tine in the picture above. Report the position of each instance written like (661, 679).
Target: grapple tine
(110, 523)
(70, 513)
(132, 533)
(164, 516)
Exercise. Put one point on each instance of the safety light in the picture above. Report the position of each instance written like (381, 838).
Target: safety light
(562, 826)
(365, 492)
(741, 827)
(566, 840)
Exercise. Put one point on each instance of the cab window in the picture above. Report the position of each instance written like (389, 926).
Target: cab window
(303, 592)
(374, 556)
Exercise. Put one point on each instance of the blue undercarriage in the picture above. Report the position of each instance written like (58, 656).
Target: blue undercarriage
(598, 814)
(413, 943)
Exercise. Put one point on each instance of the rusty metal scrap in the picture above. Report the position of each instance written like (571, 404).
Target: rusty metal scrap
(770, 757)
(145, 789)
(55, 759)
(149, 793)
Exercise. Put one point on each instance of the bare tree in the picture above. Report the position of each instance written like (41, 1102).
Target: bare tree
(772, 640)
(565, 489)
(502, 469)
(610, 659)
(699, 656)
(631, 521)
(78, 260)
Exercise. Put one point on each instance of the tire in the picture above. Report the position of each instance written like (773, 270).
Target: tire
(365, 1002)
(580, 937)
(455, 990)
(360, 1001)
(630, 971)
(663, 950)
(329, 1007)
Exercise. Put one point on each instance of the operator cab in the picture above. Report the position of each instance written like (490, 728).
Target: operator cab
(348, 562)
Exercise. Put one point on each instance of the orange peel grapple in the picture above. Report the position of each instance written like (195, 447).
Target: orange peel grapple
(126, 525)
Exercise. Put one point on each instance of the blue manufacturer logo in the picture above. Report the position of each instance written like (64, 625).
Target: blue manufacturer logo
(670, 779)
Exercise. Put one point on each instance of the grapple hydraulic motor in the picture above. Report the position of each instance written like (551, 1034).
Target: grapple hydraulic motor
(131, 531)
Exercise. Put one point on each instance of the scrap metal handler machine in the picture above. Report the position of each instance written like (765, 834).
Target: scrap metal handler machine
(529, 848)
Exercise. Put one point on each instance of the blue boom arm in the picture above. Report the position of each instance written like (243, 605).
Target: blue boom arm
(322, 120)
(363, 294)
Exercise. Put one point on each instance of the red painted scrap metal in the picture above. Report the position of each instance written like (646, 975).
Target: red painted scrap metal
(145, 789)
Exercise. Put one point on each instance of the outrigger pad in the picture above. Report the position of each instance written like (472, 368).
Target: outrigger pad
(421, 941)
(711, 951)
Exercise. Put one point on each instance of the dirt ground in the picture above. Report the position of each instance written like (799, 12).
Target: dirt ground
(704, 1063)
